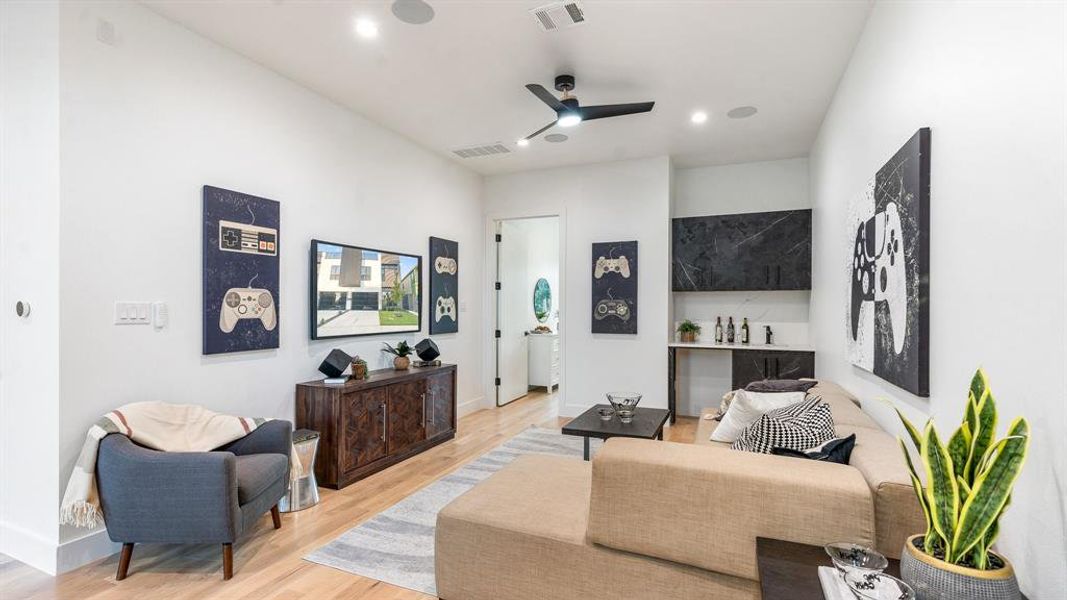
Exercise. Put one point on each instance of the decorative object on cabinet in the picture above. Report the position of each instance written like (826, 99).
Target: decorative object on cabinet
(366, 426)
(359, 368)
(335, 363)
(444, 285)
(542, 300)
(889, 274)
(750, 251)
(362, 291)
(688, 331)
(543, 359)
(615, 287)
(401, 353)
(428, 353)
(240, 271)
(968, 484)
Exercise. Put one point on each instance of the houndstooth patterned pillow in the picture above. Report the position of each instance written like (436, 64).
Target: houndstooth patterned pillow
(797, 426)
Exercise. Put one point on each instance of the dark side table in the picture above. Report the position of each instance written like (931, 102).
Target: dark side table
(647, 424)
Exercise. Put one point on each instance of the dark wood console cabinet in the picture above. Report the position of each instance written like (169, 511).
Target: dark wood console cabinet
(757, 365)
(366, 426)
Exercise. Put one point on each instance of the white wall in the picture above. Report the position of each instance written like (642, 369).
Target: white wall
(704, 376)
(542, 260)
(29, 264)
(626, 200)
(146, 123)
(988, 79)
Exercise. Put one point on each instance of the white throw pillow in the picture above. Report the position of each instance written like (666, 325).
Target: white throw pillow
(746, 408)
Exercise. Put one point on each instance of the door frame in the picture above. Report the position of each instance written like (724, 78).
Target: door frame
(489, 297)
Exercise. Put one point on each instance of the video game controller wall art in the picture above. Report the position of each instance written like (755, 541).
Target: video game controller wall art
(888, 319)
(240, 271)
(444, 286)
(615, 287)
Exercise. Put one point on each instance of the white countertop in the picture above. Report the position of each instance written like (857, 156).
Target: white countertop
(714, 346)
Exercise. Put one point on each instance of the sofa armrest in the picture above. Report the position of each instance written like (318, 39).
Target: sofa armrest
(272, 437)
(705, 506)
(166, 497)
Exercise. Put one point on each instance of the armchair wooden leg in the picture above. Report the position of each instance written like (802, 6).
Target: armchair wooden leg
(277, 516)
(124, 561)
(227, 561)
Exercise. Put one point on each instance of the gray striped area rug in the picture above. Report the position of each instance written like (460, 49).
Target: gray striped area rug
(396, 545)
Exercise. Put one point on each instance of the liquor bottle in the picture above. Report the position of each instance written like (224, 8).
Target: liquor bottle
(730, 331)
(718, 330)
(744, 330)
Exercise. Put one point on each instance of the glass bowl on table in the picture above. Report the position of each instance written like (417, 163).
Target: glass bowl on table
(856, 557)
(625, 404)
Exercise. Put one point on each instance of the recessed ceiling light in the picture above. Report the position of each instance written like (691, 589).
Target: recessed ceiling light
(698, 117)
(523, 143)
(413, 12)
(555, 138)
(366, 28)
(742, 112)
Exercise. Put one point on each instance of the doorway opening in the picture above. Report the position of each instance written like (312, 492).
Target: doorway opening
(527, 334)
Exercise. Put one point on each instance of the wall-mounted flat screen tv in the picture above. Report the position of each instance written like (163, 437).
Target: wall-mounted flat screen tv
(363, 291)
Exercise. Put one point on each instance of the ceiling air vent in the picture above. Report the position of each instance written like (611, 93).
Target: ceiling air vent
(479, 151)
(558, 15)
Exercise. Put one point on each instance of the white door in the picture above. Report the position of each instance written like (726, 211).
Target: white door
(513, 308)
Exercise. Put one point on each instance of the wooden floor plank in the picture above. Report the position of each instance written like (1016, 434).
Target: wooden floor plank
(268, 563)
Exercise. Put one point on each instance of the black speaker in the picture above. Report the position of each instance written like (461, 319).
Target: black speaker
(335, 364)
(427, 350)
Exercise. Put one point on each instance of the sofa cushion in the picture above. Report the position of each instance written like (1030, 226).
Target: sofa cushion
(781, 385)
(836, 450)
(746, 408)
(256, 472)
(798, 426)
(521, 535)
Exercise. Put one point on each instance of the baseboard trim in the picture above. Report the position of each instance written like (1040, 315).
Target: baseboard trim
(468, 406)
(28, 548)
(84, 550)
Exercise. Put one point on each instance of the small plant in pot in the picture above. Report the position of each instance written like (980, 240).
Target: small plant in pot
(401, 352)
(969, 482)
(688, 331)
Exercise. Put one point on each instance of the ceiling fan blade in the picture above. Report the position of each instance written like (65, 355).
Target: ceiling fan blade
(540, 131)
(615, 110)
(546, 96)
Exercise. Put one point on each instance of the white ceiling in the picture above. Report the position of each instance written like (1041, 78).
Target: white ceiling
(458, 81)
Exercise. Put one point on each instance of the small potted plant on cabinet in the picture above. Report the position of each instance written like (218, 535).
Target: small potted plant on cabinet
(688, 331)
(969, 483)
(401, 352)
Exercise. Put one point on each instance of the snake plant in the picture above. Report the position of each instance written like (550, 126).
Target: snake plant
(969, 478)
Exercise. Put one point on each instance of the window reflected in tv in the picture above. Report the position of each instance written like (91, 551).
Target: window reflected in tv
(363, 291)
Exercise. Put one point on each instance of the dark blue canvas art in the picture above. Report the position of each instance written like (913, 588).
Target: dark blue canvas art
(615, 287)
(444, 286)
(240, 287)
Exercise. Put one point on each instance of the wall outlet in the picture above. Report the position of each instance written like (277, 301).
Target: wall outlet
(133, 313)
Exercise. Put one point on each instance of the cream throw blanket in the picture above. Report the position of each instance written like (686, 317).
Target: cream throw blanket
(157, 425)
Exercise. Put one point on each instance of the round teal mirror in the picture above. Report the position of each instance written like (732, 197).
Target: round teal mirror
(542, 300)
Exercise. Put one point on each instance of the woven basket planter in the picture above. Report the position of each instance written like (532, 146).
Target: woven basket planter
(934, 579)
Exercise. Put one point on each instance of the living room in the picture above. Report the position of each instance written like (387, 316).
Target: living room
(719, 175)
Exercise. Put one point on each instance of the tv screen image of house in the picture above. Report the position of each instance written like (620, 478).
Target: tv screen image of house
(363, 291)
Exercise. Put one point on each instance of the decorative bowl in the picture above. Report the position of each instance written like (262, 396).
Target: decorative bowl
(605, 412)
(872, 585)
(854, 557)
(624, 404)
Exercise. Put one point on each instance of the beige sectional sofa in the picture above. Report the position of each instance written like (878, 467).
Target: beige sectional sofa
(649, 519)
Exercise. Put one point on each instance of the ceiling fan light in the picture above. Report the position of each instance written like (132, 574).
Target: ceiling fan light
(569, 119)
(523, 142)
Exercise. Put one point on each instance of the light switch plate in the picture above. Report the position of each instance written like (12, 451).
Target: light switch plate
(133, 313)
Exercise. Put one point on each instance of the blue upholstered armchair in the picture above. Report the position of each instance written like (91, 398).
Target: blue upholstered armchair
(192, 497)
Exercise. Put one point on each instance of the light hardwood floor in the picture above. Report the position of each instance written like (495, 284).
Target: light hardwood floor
(267, 562)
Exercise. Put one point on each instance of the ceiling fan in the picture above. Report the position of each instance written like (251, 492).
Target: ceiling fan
(569, 113)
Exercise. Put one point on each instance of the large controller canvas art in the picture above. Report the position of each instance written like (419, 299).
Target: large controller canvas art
(444, 286)
(888, 325)
(615, 287)
(240, 278)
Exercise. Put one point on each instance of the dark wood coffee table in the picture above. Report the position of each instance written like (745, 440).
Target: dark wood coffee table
(647, 424)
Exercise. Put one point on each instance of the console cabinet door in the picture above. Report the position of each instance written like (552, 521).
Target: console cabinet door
(751, 365)
(364, 415)
(794, 365)
(439, 404)
(407, 405)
